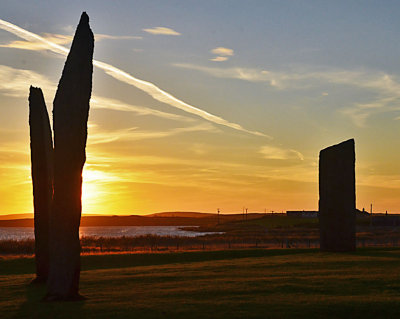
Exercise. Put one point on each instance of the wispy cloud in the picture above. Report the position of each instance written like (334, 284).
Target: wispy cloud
(148, 87)
(38, 45)
(59, 39)
(304, 77)
(245, 74)
(219, 59)
(162, 31)
(133, 134)
(206, 169)
(99, 37)
(18, 81)
(165, 97)
(222, 53)
(386, 87)
(278, 153)
(116, 105)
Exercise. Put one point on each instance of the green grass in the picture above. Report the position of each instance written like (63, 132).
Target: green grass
(221, 284)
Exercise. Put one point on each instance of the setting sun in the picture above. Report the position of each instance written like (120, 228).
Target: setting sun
(97, 188)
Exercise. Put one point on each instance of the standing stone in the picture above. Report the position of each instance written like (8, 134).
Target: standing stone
(42, 178)
(337, 197)
(70, 116)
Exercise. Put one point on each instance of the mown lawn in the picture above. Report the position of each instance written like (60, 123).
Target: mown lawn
(223, 284)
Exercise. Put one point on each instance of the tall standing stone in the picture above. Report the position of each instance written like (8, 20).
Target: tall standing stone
(70, 116)
(42, 178)
(337, 197)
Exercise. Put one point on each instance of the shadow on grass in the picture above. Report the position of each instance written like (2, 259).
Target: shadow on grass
(328, 309)
(34, 307)
(133, 260)
(19, 266)
(91, 262)
(384, 252)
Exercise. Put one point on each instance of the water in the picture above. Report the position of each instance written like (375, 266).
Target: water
(19, 233)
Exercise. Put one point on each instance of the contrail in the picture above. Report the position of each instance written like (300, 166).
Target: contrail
(148, 87)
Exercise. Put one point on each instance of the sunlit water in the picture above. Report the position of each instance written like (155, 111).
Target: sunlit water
(19, 233)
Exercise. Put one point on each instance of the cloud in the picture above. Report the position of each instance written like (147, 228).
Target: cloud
(303, 78)
(245, 74)
(39, 45)
(360, 112)
(148, 87)
(99, 37)
(161, 30)
(277, 153)
(358, 116)
(98, 102)
(386, 87)
(18, 82)
(163, 96)
(59, 39)
(219, 59)
(133, 134)
(205, 169)
(222, 51)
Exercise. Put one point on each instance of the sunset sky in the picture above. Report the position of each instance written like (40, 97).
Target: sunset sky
(239, 98)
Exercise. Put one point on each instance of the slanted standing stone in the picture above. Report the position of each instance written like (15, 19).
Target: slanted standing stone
(42, 178)
(70, 116)
(337, 197)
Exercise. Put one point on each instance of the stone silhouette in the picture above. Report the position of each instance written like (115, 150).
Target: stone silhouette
(337, 197)
(42, 178)
(70, 116)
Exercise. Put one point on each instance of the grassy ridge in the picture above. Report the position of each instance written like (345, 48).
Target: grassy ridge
(222, 284)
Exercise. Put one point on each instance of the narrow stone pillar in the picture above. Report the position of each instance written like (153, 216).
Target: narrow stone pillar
(70, 116)
(337, 197)
(42, 178)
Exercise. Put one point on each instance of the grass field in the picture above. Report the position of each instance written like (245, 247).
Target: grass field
(217, 284)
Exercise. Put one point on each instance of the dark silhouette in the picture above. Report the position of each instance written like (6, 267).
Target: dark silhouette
(42, 178)
(337, 197)
(70, 112)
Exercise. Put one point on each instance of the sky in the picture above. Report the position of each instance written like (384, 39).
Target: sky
(200, 105)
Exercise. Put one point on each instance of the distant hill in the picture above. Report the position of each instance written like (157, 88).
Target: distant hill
(181, 214)
(15, 216)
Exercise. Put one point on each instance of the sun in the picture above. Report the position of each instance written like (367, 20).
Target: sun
(93, 189)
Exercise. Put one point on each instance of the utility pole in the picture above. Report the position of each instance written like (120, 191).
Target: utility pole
(370, 216)
(246, 213)
(218, 215)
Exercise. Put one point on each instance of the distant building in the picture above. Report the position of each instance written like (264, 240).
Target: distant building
(302, 213)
